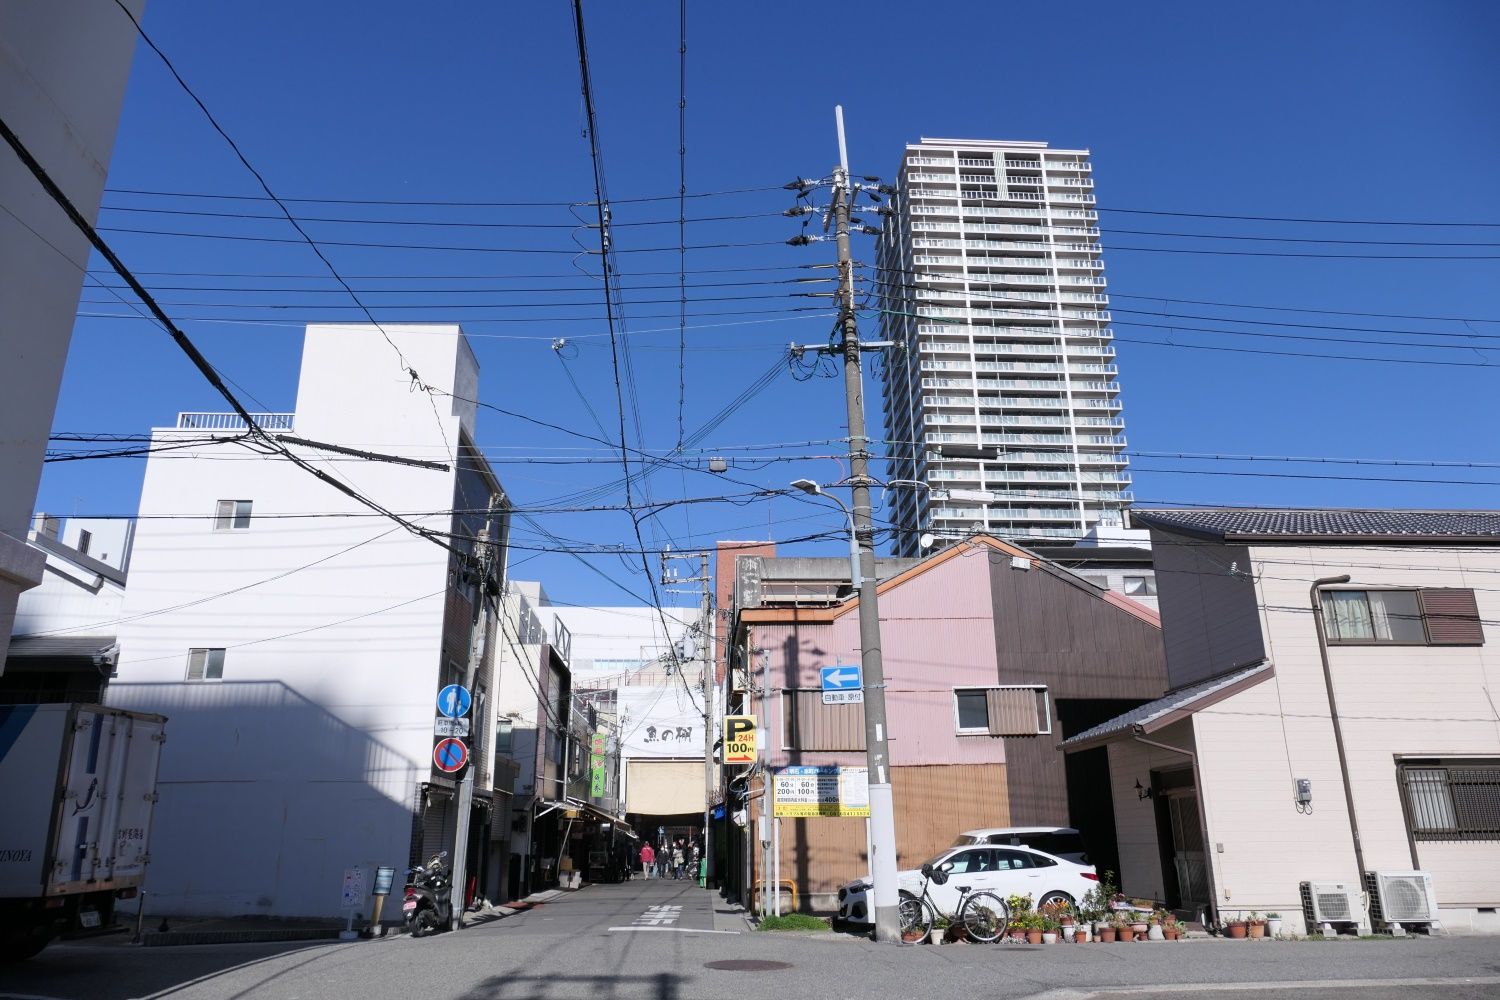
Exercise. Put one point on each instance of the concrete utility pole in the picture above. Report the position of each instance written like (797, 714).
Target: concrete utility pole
(460, 888)
(882, 807)
(705, 649)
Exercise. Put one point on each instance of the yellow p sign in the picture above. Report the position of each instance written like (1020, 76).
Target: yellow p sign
(739, 739)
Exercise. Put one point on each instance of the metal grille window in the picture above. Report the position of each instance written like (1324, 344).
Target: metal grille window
(1431, 617)
(205, 664)
(1021, 710)
(232, 515)
(1452, 801)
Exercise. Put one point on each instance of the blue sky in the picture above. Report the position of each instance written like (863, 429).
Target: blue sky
(1364, 111)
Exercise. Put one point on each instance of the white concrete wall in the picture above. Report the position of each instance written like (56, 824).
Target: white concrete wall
(63, 67)
(72, 599)
(1393, 701)
(305, 758)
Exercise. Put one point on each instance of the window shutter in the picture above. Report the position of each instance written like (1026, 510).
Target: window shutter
(812, 725)
(1013, 711)
(1452, 617)
(224, 518)
(196, 658)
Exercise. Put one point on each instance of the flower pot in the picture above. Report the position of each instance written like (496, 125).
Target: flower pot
(1155, 933)
(1049, 937)
(1127, 933)
(1171, 933)
(1273, 927)
(1258, 929)
(1018, 934)
(1033, 936)
(1106, 934)
(1236, 929)
(1080, 935)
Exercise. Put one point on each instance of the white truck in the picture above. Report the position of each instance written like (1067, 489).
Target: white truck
(77, 791)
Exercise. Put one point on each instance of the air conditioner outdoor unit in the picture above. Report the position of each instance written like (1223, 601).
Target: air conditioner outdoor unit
(1328, 905)
(1398, 898)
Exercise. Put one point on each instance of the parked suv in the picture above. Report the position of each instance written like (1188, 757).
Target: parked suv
(1059, 841)
(981, 864)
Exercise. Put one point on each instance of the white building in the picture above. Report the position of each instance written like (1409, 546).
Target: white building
(1331, 720)
(63, 66)
(297, 640)
(1002, 397)
(64, 646)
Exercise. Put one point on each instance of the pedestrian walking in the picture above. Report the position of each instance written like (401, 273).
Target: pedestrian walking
(678, 861)
(648, 861)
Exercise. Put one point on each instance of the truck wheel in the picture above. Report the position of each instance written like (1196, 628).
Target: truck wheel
(24, 944)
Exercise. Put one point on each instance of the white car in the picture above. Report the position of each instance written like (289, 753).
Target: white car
(1007, 870)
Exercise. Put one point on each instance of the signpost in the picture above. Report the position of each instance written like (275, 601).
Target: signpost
(353, 894)
(842, 685)
(821, 791)
(385, 879)
(596, 766)
(739, 739)
(450, 755)
(454, 700)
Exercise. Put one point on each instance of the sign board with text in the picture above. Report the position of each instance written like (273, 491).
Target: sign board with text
(739, 739)
(450, 727)
(821, 791)
(842, 685)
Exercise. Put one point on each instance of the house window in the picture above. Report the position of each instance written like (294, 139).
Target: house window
(232, 515)
(1452, 800)
(1140, 586)
(1435, 616)
(1021, 710)
(84, 538)
(1102, 582)
(505, 737)
(205, 664)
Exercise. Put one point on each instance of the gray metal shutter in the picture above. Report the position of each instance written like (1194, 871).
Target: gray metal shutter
(1452, 617)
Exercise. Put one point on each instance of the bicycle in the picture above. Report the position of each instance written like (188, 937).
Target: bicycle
(984, 915)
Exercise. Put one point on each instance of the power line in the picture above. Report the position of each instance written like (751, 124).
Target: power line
(440, 202)
(682, 214)
(1276, 218)
(435, 223)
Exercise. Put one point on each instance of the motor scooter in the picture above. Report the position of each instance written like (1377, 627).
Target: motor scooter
(428, 902)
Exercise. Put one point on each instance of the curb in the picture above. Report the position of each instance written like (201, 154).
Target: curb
(158, 939)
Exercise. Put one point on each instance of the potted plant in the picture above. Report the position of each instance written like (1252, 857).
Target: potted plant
(1049, 930)
(1124, 926)
(1236, 926)
(1138, 924)
(1081, 934)
(1154, 925)
(1060, 914)
(1256, 925)
(1170, 928)
(1107, 931)
(1273, 924)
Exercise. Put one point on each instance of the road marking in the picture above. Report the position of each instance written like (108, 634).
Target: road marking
(1293, 984)
(674, 930)
(659, 916)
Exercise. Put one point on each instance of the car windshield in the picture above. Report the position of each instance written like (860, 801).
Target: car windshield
(938, 858)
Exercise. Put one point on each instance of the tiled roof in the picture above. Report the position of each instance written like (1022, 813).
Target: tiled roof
(1248, 523)
(1162, 711)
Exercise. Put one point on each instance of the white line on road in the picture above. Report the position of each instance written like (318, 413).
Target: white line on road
(1285, 984)
(675, 930)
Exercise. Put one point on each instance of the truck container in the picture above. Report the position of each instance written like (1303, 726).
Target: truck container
(77, 792)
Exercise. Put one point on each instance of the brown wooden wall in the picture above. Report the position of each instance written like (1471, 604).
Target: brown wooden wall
(934, 804)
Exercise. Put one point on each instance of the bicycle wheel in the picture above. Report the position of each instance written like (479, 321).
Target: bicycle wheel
(916, 918)
(984, 915)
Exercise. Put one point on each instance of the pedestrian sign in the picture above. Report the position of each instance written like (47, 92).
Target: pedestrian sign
(842, 685)
(454, 701)
(450, 755)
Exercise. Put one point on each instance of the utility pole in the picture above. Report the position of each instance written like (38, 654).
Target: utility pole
(477, 634)
(882, 807)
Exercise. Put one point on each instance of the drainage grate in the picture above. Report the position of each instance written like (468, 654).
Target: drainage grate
(747, 965)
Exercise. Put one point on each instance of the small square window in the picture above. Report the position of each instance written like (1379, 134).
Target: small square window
(1140, 586)
(232, 515)
(973, 711)
(205, 664)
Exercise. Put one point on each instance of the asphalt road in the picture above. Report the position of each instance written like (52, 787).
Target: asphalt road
(657, 940)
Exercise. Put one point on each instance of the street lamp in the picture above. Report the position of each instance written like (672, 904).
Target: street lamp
(814, 490)
(885, 895)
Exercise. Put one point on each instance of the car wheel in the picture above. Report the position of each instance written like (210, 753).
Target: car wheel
(1058, 896)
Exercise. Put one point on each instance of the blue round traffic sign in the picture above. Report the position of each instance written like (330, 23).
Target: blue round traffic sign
(454, 701)
(450, 755)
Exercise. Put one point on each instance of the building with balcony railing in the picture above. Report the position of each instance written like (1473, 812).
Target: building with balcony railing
(981, 264)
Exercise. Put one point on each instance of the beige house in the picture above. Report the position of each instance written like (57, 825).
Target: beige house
(1332, 722)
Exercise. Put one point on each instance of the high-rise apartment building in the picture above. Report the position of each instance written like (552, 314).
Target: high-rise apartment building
(1000, 395)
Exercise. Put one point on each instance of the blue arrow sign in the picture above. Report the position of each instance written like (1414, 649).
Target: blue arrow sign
(841, 678)
(454, 701)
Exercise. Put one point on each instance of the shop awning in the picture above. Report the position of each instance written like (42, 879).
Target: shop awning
(1170, 708)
